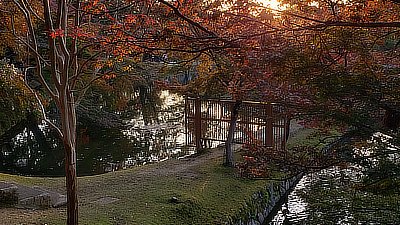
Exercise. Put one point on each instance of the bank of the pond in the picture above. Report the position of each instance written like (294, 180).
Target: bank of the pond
(260, 207)
(195, 190)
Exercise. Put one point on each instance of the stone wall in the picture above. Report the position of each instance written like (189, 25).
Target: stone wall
(258, 207)
(8, 194)
(22, 196)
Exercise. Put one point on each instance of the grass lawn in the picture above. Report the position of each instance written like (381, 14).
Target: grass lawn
(206, 193)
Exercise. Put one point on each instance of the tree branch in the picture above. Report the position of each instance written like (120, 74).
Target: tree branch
(28, 20)
(357, 25)
(52, 44)
(193, 23)
(42, 110)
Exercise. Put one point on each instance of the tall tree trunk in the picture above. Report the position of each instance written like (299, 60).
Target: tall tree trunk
(71, 183)
(68, 119)
(231, 133)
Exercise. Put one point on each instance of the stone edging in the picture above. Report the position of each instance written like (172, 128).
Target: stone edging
(29, 197)
(260, 205)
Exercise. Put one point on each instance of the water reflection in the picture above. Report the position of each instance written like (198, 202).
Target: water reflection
(37, 150)
(293, 210)
(330, 197)
(32, 151)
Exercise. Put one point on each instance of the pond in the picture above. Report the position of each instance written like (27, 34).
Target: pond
(36, 149)
(329, 196)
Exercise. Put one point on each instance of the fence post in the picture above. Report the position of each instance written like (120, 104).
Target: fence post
(269, 136)
(186, 120)
(287, 130)
(197, 123)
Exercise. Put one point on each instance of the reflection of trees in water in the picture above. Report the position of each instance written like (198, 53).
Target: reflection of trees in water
(100, 147)
(35, 149)
(157, 142)
(159, 138)
(148, 100)
(29, 150)
(333, 198)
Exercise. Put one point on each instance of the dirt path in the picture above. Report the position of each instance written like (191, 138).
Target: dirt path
(139, 176)
(180, 167)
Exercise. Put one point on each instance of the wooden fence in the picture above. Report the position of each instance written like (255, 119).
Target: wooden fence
(208, 120)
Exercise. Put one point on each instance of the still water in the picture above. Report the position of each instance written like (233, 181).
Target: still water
(36, 150)
(330, 196)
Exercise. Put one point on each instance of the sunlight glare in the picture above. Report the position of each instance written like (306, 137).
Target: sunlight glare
(273, 4)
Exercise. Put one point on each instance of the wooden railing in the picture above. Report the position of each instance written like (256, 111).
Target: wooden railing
(207, 120)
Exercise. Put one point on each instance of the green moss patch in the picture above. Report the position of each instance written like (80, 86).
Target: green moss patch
(206, 193)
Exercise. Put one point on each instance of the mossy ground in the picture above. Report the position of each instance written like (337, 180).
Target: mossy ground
(206, 192)
(209, 196)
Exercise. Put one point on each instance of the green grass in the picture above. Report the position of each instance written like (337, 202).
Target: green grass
(212, 197)
(306, 137)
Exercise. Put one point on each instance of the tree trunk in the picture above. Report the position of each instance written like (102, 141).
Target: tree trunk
(71, 183)
(68, 119)
(64, 70)
(231, 133)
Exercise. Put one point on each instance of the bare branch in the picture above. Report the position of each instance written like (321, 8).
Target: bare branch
(33, 12)
(79, 71)
(84, 89)
(52, 45)
(193, 23)
(360, 25)
(324, 24)
(43, 112)
(28, 20)
(184, 61)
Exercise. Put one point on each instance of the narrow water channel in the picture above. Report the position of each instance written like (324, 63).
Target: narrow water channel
(329, 196)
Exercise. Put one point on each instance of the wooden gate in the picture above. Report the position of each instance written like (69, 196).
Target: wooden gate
(207, 120)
